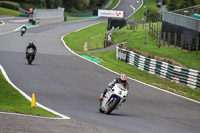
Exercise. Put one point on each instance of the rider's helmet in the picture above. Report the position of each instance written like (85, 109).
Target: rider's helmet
(31, 44)
(123, 79)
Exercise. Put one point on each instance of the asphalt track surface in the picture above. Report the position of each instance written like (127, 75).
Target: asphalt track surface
(71, 85)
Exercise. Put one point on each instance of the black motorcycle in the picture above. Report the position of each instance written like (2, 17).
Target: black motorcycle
(30, 55)
(23, 30)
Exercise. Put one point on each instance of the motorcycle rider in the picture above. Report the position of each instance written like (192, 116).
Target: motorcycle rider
(122, 80)
(31, 45)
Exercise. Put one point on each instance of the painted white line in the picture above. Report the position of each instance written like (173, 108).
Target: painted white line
(6, 32)
(82, 20)
(33, 116)
(28, 97)
(2, 23)
(119, 74)
(132, 7)
(117, 4)
(16, 21)
(7, 17)
(136, 9)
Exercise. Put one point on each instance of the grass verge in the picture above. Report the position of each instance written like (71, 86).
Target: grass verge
(92, 36)
(135, 40)
(13, 101)
(8, 12)
(110, 61)
(1, 22)
(152, 4)
(113, 4)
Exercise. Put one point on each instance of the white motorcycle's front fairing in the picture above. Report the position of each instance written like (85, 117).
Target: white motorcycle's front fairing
(118, 92)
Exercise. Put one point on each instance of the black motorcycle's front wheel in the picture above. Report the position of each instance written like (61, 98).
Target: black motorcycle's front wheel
(112, 106)
(30, 59)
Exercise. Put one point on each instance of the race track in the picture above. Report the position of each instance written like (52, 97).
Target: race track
(71, 85)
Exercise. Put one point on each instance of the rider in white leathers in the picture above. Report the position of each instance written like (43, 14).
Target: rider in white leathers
(122, 80)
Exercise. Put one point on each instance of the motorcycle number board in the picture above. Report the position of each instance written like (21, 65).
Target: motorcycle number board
(110, 13)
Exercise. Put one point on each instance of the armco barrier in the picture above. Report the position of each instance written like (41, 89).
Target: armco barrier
(188, 77)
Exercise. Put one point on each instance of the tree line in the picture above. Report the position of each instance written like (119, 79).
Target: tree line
(179, 4)
(69, 5)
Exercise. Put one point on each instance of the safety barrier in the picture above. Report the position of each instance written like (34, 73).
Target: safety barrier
(48, 13)
(188, 77)
(181, 20)
(47, 16)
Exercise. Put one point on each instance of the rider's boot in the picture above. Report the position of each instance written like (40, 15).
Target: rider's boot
(101, 97)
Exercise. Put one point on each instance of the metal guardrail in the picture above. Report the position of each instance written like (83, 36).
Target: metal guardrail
(181, 20)
(188, 77)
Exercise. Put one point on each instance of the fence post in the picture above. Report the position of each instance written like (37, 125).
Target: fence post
(197, 45)
(164, 37)
(149, 28)
(152, 31)
(154, 35)
(175, 39)
(143, 23)
(169, 38)
(157, 34)
(181, 41)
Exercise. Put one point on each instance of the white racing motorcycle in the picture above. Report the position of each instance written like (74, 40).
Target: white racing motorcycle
(113, 99)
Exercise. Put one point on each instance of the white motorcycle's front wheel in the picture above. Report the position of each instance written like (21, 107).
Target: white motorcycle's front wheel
(112, 106)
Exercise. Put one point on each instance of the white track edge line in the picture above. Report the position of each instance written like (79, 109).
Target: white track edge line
(117, 5)
(2, 23)
(33, 116)
(119, 74)
(137, 9)
(29, 98)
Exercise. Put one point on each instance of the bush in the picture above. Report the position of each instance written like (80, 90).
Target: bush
(9, 5)
(152, 15)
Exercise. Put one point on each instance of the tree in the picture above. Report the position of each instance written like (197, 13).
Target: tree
(58, 3)
(172, 5)
(152, 15)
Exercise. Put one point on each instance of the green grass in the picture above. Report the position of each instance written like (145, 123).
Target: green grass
(8, 12)
(76, 40)
(135, 40)
(110, 61)
(75, 18)
(1, 22)
(152, 4)
(93, 36)
(13, 101)
(113, 4)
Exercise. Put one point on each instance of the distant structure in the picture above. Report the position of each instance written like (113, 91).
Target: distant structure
(47, 16)
(182, 27)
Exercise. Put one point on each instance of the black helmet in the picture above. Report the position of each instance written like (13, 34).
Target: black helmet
(31, 44)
